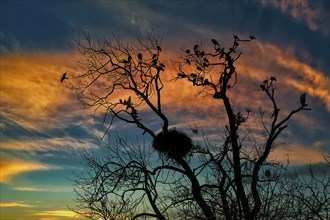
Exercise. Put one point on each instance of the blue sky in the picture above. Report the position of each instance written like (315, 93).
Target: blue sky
(44, 130)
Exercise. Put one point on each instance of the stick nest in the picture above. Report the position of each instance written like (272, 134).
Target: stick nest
(173, 143)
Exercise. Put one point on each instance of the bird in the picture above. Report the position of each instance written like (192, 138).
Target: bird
(303, 99)
(193, 75)
(215, 42)
(235, 37)
(139, 56)
(63, 77)
(196, 47)
(159, 48)
(263, 87)
(267, 173)
(195, 129)
(252, 37)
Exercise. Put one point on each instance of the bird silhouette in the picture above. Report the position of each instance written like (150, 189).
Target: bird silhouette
(139, 56)
(235, 37)
(196, 47)
(303, 98)
(63, 77)
(252, 37)
(263, 87)
(215, 42)
(159, 48)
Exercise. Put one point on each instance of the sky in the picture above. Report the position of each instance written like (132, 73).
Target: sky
(44, 129)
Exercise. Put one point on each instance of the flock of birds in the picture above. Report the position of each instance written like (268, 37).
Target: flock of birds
(302, 97)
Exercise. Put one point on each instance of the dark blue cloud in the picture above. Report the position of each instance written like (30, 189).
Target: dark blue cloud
(29, 24)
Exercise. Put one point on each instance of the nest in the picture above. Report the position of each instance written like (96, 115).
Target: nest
(173, 144)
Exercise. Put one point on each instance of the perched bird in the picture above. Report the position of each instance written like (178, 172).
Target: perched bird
(139, 56)
(195, 129)
(196, 47)
(263, 87)
(235, 37)
(267, 173)
(252, 37)
(182, 75)
(272, 78)
(188, 51)
(193, 75)
(63, 77)
(159, 48)
(303, 98)
(215, 42)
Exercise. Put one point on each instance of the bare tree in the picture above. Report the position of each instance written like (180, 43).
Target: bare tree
(234, 180)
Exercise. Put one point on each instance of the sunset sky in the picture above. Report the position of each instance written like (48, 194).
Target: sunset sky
(44, 130)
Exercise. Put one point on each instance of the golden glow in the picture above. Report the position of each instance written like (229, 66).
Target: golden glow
(10, 168)
(31, 90)
(14, 204)
(59, 213)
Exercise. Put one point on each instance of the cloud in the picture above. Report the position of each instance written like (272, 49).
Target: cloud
(11, 167)
(58, 213)
(294, 75)
(299, 154)
(47, 144)
(48, 108)
(15, 204)
(44, 189)
(314, 13)
(30, 87)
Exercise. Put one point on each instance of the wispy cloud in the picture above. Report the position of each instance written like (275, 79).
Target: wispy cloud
(12, 167)
(30, 88)
(294, 74)
(45, 189)
(47, 144)
(15, 204)
(58, 213)
(314, 13)
(298, 154)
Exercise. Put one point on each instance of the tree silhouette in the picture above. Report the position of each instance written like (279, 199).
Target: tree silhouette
(235, 180)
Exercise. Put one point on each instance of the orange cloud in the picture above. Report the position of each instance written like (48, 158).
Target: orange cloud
(11, 167)
(298, 154)
(31, 90)
(34, 98)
